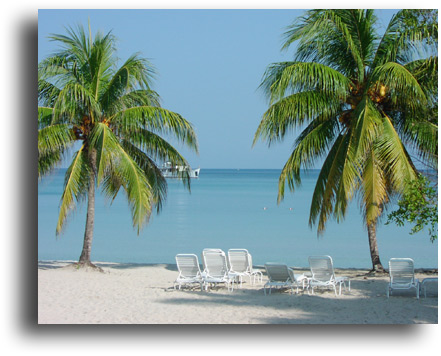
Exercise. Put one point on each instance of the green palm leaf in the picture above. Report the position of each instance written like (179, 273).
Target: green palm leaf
(292, 112)
(75, 183)
(311, 144)
(158, 120)
(74, 101)
(44, 116)
(327, 183)
(399, 168)
(375, 194)
(111, 155)
(287, 78)
(152, 172)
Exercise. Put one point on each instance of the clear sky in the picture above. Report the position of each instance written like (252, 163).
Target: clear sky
(209, 64)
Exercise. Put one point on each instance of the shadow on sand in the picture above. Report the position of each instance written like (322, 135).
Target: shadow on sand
(45, 265)
(316, 309)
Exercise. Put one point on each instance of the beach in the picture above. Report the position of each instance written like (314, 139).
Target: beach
(144, 294)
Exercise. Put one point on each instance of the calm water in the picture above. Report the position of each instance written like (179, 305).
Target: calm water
(226, 209)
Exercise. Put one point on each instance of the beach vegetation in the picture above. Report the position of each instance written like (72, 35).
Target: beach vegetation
(364, 101)
(418, 206)
(110, 109)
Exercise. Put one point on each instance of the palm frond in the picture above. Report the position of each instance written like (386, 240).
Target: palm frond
(106, 144)
(156, 147)
(111, 155)
(311, 144)
(422, 136)
(366, 127)
(76, 43)
(75, 184)
(292, 112)
(155, 119)
(100, 63)
(73, 102)
(327, 184)
(425, 72)
(321, 32)
(44, 116)
(152, 172)
(287, 78)
(403, 32)
(375, 192)
(54, 138)
(133, 98)
(396, 161)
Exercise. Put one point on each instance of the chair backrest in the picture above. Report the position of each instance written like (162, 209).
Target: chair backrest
(278, 272)
(401, 270)
(322, 268)
(239, 260)
(208, 249)
(215, 262)
(188, 265)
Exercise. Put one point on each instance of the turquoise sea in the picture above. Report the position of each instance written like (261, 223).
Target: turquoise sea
(226, 209)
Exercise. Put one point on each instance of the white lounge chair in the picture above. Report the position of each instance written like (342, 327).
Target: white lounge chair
(189, 270)
(402, 276)
(241, 264)
(279, 275)
(216, 269)
(428, 281)
(323, 275)
(209, 249)
(254, 272)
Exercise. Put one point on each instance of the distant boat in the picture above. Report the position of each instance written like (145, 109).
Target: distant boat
(170, 170)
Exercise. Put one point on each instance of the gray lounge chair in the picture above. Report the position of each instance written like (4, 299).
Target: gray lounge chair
(280, 276)
(241, 264)
(402, 276)
(323, 275)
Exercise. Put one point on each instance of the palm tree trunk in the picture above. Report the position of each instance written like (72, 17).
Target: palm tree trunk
(373, 246)
(90, 219)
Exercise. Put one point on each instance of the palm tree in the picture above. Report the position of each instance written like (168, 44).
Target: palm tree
(115, 115)
(358, 98)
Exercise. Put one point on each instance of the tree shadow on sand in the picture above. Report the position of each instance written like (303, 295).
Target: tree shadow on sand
(302, 308)
(45, 265)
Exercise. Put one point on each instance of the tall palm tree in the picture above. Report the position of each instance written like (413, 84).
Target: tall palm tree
(358, 98)
(115, 115)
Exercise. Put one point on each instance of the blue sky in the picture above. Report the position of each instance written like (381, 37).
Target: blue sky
(209, 64)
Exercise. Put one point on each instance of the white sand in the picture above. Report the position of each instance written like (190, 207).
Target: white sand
(144, 294)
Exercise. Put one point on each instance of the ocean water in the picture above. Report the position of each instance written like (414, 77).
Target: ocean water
(225, 209)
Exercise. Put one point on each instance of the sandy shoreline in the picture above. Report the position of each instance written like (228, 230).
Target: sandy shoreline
(144, 294)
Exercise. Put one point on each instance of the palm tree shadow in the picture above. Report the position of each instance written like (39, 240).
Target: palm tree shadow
(317, 309)
(44, 265)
